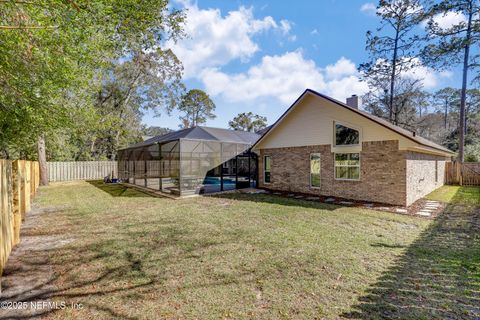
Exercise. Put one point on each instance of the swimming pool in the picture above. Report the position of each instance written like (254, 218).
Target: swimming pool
(217, 181)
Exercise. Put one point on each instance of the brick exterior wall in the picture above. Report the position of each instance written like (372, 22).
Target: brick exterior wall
(425, 173)
(388, 175)
(382, 177)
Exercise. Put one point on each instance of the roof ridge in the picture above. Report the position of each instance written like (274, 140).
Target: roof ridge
(201, 133)
(399, 130)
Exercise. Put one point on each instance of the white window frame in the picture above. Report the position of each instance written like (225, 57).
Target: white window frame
(348, 126)
(348, 166)
(319, 169)
(265, 167)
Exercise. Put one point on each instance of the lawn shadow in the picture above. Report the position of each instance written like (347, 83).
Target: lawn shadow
(275, 199)
(110, 267)
(118, 189)
(438, 276)
(46, 289)
(386, 245)
(95, 269)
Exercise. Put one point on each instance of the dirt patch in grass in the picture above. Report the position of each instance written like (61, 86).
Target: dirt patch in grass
(29, 276)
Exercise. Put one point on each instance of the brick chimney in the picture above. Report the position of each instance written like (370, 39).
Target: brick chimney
(353, 101)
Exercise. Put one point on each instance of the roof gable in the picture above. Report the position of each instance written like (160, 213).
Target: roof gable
(373, 119)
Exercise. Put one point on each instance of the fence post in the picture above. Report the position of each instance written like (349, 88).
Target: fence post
(6, 214)
(460, 172)
(18, 184)
(448, 173)
(32, 180)
(3, 213)
(21, 177)
(17, 199)
(3, 247)
(28, 185)
(456, 172)
(37, 175)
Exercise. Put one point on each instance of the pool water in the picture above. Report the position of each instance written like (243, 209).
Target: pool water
(217, 181)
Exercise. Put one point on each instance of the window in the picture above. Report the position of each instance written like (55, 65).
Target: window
(315, 170)
(436, 171)
(347, 166)
(345, 136)
(266, 169)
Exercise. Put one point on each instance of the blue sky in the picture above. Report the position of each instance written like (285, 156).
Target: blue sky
(260, 55)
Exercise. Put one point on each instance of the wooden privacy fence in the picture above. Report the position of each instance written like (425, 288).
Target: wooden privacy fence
(19, 182)
(464, 174)
(80, 170)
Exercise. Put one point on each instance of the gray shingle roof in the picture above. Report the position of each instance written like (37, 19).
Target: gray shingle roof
(203, 133)
(262, 131)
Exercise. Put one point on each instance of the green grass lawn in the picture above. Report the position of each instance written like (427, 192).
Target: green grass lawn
(457, 195)
(241, 256)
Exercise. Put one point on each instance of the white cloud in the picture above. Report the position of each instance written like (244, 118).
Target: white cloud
(368, 8)
(314, 31)
(257, 25)
(429, 77)
(447, 20)
(285, 26)
(214, 40)
(344, 87)
(343, 67)
(283, 77)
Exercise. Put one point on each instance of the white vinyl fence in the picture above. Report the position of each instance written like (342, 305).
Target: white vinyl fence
(80, 170)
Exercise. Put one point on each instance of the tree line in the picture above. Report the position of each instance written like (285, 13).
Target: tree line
(76, 76)
(411, 37)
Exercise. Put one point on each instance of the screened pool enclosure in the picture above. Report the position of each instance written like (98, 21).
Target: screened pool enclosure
(191, 161)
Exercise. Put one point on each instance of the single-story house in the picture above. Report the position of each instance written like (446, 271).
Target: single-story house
(325, 147)
(319, 146)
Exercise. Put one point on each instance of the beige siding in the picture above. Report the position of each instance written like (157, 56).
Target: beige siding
(425, 173)
(311, 123)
